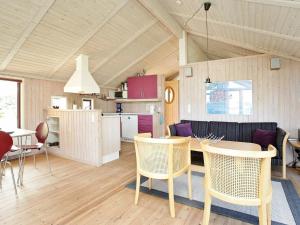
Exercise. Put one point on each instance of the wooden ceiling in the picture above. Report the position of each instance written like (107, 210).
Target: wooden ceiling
(266, 26)
(42, 38)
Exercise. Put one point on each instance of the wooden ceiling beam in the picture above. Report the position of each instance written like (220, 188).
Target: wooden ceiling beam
(139, 59)
(245, 46)
(243, 28)
(27, 32)
(93, 31)
(158, 11)
(124, 45)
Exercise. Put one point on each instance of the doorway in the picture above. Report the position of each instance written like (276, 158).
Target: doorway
(171, 102)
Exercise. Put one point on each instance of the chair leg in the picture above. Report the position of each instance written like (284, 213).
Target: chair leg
(284, 171)
(262, 212)
(21, 165)
(207, 208)
(189, 174)
(269, 213)
(150, 183)
(171, 196)
(137, 188)
(22, 169)
(46, 152)
(1, 174)
(4, 166)
(34, 162)
(13, 178)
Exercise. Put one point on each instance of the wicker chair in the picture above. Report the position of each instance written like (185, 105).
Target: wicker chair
(163, 159)
(238, 177)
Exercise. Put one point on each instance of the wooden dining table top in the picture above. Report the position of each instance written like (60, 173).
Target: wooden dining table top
(234, 145)
(295, 143)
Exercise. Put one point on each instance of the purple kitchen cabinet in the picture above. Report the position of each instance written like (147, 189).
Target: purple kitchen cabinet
(144, 87)
(134, 87)
(145, 124)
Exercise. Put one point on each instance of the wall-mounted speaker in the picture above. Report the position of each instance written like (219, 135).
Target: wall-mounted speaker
(275, 63)
(298, 134)
(188, 71)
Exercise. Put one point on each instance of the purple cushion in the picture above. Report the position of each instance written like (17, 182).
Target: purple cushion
(264, 137)
(184, 129)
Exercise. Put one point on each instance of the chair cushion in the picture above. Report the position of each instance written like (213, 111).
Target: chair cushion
(230, 130)
(246, 130)
(184, 129)
(199, 128)
(264, 137)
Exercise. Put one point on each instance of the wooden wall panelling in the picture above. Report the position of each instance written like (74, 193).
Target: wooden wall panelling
(37, 97)
(276, 95)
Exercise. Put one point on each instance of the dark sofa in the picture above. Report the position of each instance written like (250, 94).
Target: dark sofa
(233, 131)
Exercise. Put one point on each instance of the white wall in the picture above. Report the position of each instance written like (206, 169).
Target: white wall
(276, 93)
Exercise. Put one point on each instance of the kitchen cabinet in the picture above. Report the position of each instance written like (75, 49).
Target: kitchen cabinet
(144, 87)
(145, 124)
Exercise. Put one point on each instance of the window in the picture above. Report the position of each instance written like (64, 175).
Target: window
(10, 104)
(169, 95)
(229, 97)
(87, 103)
(58, 102)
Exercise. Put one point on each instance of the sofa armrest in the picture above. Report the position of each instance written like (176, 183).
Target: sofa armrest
(281, 144)
(171, 130)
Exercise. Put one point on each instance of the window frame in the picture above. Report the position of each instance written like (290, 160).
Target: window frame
(18, 98)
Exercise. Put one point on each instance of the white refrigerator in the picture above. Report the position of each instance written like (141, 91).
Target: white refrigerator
(129, 125)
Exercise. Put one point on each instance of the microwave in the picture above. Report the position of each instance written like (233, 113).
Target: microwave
(121, 94)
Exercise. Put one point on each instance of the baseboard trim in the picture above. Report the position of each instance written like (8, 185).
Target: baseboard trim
(110, 157)
(61, 154)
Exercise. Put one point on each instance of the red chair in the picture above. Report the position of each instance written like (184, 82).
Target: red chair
(41, 134)
(6, 143)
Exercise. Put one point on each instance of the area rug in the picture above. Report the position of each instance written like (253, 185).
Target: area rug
(285, 200)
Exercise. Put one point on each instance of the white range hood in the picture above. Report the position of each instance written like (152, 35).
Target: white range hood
(82, 81)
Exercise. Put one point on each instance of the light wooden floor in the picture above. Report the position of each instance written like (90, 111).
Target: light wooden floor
(81, 194)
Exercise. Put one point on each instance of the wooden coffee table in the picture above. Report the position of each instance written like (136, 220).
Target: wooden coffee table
(234, 145)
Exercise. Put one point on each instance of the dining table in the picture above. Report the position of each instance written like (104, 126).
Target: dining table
(195, 145)
(21, 136)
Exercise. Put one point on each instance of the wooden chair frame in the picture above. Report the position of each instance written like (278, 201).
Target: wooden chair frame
(284, 143)
(170, 175)
(284, 147)
(265, 189)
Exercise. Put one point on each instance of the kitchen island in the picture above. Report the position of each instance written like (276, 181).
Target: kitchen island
(84, 135)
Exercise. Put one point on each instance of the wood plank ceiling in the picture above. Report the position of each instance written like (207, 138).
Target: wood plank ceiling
(42, 38)
(266, 26)
(120, 36)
